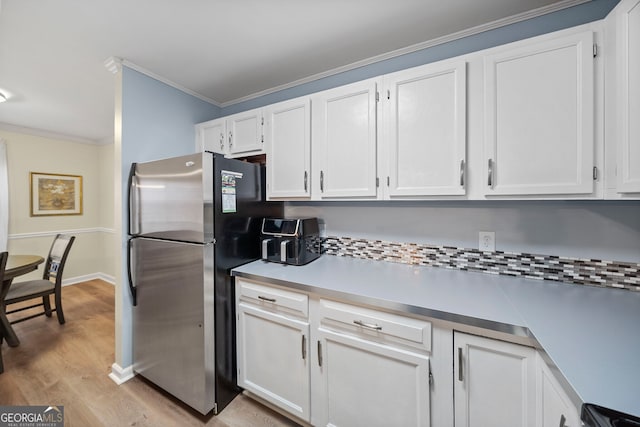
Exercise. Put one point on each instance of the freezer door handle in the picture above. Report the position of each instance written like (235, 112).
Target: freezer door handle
(132, 288)
(132, 205)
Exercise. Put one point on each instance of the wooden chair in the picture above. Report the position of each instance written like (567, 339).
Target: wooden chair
(3, 265)
(43, 288)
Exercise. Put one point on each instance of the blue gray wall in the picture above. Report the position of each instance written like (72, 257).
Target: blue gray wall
(157, 121)
(570, 17)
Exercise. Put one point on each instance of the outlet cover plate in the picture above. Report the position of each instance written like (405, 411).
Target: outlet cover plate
(487, 241)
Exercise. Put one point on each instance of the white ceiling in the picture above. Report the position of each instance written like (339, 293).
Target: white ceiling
(52, 53)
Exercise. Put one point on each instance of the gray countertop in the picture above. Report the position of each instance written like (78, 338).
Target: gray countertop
(588, 333)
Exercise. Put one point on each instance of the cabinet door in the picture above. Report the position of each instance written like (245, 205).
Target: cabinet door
(344, 138)
(273, 358)
(554, 406)
(425, 130)
(539, 115)
(288, 140)
(244, 132)
(367, 384)
(211, 136)
(494, 383)
(628, 95)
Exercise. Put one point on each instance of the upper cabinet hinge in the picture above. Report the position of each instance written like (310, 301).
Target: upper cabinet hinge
(262, 122)
(595, 50)
(595, 173)
(377, 96)
(388, 94)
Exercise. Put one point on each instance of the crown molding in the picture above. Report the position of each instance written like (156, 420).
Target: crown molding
(416, 47)
(48, 134)
(114, 64)
(131, 65)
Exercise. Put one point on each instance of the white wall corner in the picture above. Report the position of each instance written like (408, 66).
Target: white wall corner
(121, 375)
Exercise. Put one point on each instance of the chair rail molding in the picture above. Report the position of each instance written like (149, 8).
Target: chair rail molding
(16, 236)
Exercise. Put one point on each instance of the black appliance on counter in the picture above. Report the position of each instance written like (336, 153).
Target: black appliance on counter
(597, 416)
(291, 241)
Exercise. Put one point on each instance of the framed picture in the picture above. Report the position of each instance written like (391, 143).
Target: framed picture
(55, 194)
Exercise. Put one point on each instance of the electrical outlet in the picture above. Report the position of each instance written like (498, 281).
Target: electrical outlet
(487, 241)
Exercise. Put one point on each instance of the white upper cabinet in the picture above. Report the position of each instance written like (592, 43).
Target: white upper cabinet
(424, 130)
(211, 136)
(244, 133)
(288, 146)
(344, 141)
(237, 135)
(539, 117)
(627, 21)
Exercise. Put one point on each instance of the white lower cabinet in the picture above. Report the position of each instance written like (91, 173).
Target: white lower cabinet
(331, 363)
(373, 368)
(375, 372)
(273, 347)
(494, 384)
(497, 383)
(554, 406)
(366, 384)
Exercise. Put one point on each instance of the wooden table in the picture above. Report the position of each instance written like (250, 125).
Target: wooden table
(17, 265)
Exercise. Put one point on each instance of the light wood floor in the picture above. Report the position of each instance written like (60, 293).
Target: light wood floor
(68, 365)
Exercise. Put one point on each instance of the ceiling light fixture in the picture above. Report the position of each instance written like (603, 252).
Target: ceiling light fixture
(2, 97)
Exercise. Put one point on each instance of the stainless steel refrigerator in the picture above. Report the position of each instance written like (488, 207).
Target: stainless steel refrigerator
(191, 220)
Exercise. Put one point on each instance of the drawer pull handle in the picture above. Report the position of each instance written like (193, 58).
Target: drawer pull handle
(266, 299)
(368, 325)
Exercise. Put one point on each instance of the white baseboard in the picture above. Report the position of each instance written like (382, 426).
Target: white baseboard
(78, 279)
(121, 375)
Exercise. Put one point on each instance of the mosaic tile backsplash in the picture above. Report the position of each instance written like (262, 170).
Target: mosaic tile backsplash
(594, 272)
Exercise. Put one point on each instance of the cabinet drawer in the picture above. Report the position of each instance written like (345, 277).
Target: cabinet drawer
(271, 298)
(375, 325)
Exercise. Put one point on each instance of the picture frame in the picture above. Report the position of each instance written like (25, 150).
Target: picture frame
(55, 194)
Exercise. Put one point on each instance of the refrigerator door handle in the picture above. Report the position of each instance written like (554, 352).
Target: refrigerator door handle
(132, 205)
(132, 288)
